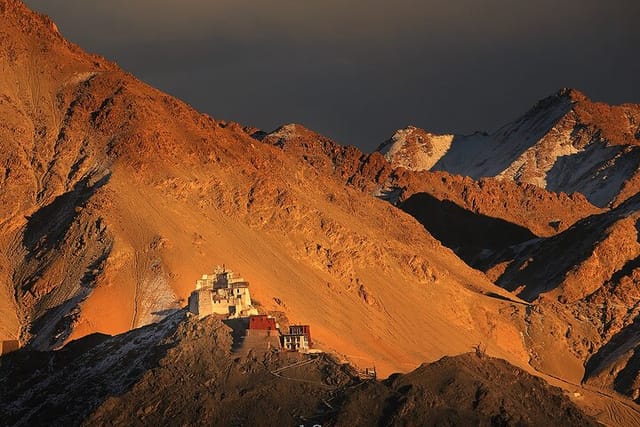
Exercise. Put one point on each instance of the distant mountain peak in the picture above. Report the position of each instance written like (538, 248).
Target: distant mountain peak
(565, 142)
(292, 133)
(289, 127)
(30, 21)
(572, 94)
(414, 148)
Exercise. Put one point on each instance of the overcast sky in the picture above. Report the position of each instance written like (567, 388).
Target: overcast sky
(357, 70)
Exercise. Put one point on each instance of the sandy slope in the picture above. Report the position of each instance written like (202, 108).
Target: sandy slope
(402, 316)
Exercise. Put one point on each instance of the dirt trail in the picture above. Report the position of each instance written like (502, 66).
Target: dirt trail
(605, 406)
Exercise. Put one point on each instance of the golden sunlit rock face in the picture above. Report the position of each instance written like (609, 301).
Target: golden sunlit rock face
(115, 198)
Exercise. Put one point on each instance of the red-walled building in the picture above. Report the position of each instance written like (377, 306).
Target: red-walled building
(9, 346)
(262, 325)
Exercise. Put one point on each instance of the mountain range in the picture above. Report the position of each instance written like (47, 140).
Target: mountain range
(116, 197)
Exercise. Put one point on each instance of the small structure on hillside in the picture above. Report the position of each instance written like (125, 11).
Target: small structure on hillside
(9, 346)
(263, 325)
(294, 342)
(368, 373)
(298, 338)
(262, 334)
(221, 293)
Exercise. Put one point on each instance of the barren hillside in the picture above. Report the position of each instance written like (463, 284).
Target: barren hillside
(117, 197)
(490, 223)
(588, 276)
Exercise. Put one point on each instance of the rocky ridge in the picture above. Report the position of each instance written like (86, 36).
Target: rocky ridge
(558, 251)
(542, 212)
(589, 274)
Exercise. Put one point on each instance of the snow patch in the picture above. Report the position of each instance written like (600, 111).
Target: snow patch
(534, 164)
(485, 155)
(78, 78)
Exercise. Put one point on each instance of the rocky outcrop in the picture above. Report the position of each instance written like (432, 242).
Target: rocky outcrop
(414, 149)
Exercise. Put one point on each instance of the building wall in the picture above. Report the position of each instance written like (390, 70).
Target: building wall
(8, 346)
(295, 342)
(259, 344)
(221, 293)
(262, 332)
(301, 330)
(249, 311)
(246, 297)
(220, 307)
(200, 303)
(262, 322)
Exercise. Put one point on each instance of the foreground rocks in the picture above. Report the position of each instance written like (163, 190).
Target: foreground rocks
(184, 371)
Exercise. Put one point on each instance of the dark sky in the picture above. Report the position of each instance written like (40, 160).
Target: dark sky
(357, 70)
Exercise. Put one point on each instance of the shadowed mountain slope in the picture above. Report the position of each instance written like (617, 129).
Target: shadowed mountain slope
(588, 275)
(184, 370)
(466, 232)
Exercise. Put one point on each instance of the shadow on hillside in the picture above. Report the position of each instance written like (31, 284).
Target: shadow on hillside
(49, 224)
(623, 381)
(47, 227)
(238, 331)
(585, 172)
(504, 298)
(466, 232)
(53, 327)
(626, 381)
(481, 155)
